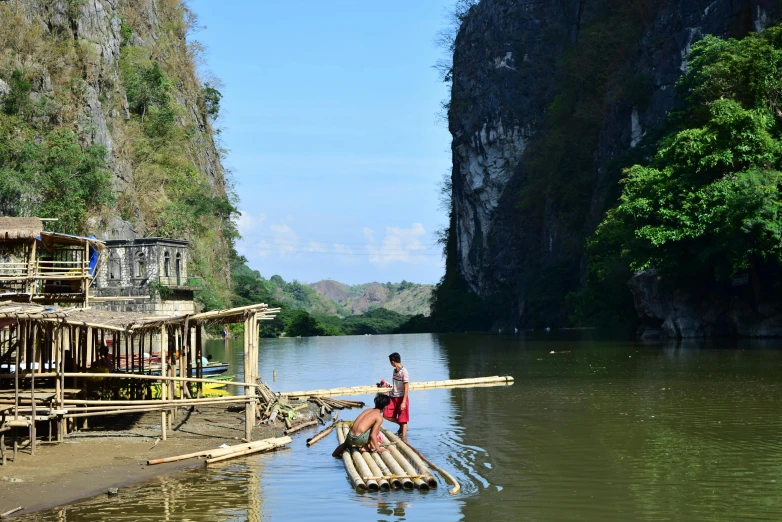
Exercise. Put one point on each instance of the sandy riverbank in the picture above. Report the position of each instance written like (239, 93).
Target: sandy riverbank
(114, 453)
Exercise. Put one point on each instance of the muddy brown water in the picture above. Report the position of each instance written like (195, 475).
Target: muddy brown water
(600, 430)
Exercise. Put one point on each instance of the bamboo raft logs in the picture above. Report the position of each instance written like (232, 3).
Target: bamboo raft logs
(497, 380)
(385, 470)
(355, 479)
(412, 456)
(361, 465)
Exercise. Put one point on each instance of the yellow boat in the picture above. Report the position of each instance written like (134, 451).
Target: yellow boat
(210, 389)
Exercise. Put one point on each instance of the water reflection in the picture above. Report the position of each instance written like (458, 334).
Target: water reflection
(602, 429)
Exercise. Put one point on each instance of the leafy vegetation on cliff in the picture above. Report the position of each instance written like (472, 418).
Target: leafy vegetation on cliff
(707, 204)
(171, 195)
(49, 174)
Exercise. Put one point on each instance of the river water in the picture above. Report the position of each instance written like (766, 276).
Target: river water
(599, 430)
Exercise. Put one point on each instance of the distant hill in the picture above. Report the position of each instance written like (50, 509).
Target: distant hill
(331, 307)
(301, 296)
(405, 298)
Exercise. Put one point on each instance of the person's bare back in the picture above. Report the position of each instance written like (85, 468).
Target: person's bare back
(364, 432)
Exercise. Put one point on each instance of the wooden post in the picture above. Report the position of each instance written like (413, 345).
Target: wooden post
(170, 355)
(20, 345)
(249, 413)
(32, 394)
(199, 354)
(59, 389)
(86, 274)
(163, 372)
(31, 270)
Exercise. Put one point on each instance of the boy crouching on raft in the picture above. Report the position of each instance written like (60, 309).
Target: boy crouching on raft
(364, 432)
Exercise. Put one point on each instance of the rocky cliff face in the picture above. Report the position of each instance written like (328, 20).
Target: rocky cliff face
(506, 79)
(122, 74)
(732, 310)
(71, 50)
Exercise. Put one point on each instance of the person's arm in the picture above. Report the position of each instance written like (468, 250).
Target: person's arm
(403, 407)
(406, 376)
(373, 443)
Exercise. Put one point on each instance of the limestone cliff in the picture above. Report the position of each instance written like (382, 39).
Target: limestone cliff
(546, 96)
(121, 74)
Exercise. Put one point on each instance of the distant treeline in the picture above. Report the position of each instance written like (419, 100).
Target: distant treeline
(306, 314)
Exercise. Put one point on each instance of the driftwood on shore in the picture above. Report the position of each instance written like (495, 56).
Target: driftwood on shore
(217, 454)
(322, 434)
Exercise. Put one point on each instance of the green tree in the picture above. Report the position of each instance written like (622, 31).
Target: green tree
(51, 175)
(708, 203)
(304, 325)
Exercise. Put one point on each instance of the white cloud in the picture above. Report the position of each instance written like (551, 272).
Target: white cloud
(316, 246)
(339, 248)
(401, 245)
(246, 223)
(286, 241)
(262, 249)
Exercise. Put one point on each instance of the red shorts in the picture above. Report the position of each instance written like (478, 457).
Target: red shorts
(394, 411)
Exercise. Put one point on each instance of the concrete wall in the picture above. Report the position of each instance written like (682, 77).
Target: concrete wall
(133, 268)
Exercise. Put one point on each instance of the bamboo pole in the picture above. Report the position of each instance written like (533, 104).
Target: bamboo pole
(149, 378)
(147, 404)
(447, 476)
(320, 435)
(300, 427)
(117, 410)
(361, 390)
(205, 400)
(163, 396)
(382, 482)
(282, 441)
(32, 392)
(412, 456)
(355, 479)
(17, 371)
(394, 481)
(249, 411)
(217, 452)
(199, 366)
(10, 512)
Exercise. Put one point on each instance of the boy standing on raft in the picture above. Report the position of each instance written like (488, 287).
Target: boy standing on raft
(398, 411)
(364, 432)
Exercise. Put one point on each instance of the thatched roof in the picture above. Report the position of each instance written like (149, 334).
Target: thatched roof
(20, 227)
(55, 238)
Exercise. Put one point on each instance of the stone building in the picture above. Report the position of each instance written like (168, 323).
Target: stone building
(148, 275)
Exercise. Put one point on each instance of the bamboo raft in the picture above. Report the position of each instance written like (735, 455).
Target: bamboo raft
(401, 467)
(497, 380)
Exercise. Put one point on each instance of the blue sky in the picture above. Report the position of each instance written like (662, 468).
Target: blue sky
(329, 114)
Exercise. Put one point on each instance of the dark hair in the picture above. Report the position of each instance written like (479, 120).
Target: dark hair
(103, 350)
(395, 357)
(381, 401)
